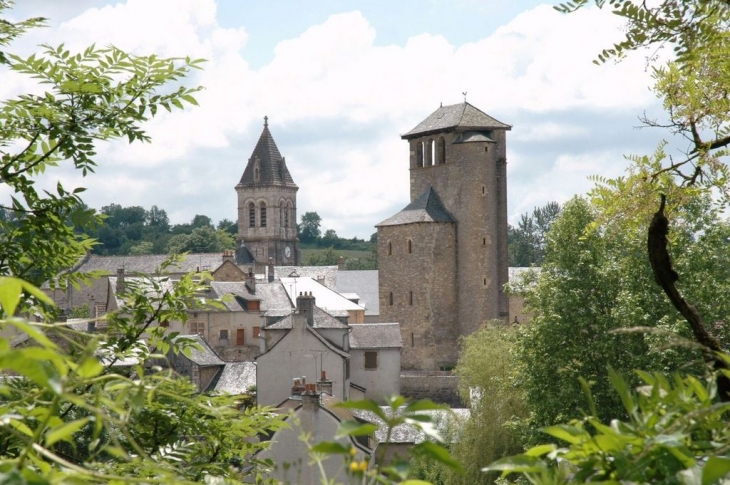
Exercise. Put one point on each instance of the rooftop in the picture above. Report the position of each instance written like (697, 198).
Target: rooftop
(462, 116)
(426, 208)
(271, 164)
(375, 336)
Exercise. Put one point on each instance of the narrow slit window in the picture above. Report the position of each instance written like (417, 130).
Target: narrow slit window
(251, 215)
(390, 298)
(263, 215)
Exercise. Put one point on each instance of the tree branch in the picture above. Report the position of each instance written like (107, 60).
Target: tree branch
(666, 278)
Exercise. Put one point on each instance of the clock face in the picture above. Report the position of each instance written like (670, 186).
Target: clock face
(287, 252)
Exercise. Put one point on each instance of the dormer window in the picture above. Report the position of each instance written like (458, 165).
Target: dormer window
(256, 172)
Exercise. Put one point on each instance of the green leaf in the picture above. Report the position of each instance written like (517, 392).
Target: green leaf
(540, 450)
(330, 447)
(90, 367)
(438, 453)
(354, 428)
(715, 469)
(65, 431)
(11, 289)
(568, 433)
(517, 464)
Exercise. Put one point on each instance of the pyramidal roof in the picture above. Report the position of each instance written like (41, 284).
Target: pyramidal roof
(426, 208)
(461, 116)
(272, 165)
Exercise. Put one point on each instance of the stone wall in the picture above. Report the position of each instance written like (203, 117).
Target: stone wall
(423, 288)
(440, 387)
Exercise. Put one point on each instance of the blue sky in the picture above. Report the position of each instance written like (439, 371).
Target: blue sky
(340, 81)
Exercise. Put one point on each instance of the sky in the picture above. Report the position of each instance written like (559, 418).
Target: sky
(340, 81)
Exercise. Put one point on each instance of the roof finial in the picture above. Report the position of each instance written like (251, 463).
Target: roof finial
(266, 121)
(464, 93)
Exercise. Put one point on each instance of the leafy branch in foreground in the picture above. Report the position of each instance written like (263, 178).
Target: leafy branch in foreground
(677, 432)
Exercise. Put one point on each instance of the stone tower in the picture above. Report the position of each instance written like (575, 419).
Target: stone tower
(443, 258)
(267, 207)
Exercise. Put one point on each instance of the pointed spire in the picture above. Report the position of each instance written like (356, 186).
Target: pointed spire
(269, 162)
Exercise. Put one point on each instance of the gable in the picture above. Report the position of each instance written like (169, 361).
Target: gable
(228, 271)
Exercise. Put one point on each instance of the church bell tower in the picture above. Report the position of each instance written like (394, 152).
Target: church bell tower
(267, 207)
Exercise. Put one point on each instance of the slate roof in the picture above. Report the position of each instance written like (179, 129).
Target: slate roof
(243, 255)
(271, 163)
(205, 356)
(322, 319)
(462, 116)
(365, 284)
(426, 208)
(272, 296)
(325, 274)
(405, 433)
(375, 336)
(147, 284)
(325, 298)
(148, 264)
(237, 377)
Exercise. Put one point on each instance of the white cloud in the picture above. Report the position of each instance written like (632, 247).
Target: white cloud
(334, 74)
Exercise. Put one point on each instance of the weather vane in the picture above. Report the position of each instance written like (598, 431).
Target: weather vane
(464, 93)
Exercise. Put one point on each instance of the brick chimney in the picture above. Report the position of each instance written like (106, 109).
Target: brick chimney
(305, 307)
(298, 387)
(324, 384)
(228, 256)
(341, 263)
(310, 398)
(271, 270)
(251, 282)
(120, 280)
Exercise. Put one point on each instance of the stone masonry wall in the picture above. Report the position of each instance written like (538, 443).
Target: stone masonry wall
(472, 187)
(440, 387)
(428, 319)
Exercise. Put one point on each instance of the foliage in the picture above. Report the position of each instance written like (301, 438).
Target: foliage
(676, 433)
(398, 412)
(203, 239)
(487, 381)
(71, 412)
(527, 241)
(309, 228)
(596, 281)
(82, 311)
(94, 95)
(72, 417)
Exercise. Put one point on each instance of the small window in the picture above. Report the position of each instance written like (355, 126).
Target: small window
(371, 360)
(484, 190)
(413, 340)
(263, 215)
(251, 215)
(484, 241)
(256, 332)
(164, 324)
(390, 248)
(197, 328)
(390, 298)
(441, 150)
(347, 369)
(410, 298)
(419, 154)
(484, 282)
(240, 336)
(410, 247)
(223, 335)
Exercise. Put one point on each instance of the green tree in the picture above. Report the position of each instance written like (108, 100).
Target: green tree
(527, 241)
(487, 372)
(70, 417)
(309, 231)
(229, 226)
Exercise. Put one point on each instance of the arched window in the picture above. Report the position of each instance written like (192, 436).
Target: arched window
(390, 298)
(410, 247)
(441, 150)
(419, 154)
(429, 154)
(251, 215)
(263, 214)
(390, 248)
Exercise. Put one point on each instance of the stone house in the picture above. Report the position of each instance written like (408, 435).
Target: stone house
(314, 413)
(202, 366)
(312, 342)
